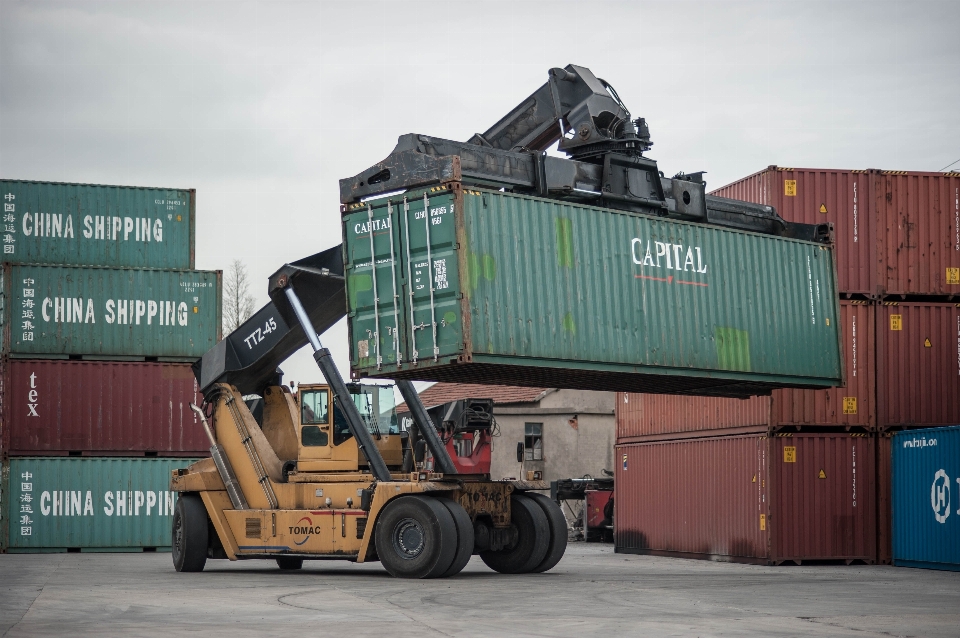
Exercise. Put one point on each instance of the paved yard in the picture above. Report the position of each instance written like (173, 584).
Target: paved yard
(592, 592)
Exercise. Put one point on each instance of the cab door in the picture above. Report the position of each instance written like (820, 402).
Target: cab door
(321, 446)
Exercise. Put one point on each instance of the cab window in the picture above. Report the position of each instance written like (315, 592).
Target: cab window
(314, 407)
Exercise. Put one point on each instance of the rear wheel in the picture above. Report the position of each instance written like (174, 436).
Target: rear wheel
(289, 563)
(465, 539)
(533, 539)
(190, 534)
(558, 532)
(416, 537)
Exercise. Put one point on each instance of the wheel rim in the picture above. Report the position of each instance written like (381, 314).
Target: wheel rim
(408, 539)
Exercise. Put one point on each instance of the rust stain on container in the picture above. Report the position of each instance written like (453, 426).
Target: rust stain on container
(918, 384)
(749, 498)
(851, 405)
(53, 407)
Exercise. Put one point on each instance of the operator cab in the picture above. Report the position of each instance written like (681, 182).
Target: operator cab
(325, 441)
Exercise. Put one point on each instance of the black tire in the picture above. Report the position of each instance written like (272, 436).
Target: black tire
(532, 542)
(465, 539)
(190, 534)
(558, 532)
(416, 537)
(288, 563)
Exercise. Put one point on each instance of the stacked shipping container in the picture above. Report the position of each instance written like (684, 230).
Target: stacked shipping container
(898, 265)
(102, 315)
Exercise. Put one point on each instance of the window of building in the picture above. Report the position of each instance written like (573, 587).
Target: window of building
(533, 441)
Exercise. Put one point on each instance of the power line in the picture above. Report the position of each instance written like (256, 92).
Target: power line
(949, 165)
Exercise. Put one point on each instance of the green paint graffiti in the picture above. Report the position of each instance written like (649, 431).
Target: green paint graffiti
(564, 242)
(733, 348)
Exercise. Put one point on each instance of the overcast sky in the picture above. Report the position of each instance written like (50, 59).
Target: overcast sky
(264, 106)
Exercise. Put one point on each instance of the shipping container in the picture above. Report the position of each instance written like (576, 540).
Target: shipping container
(897, 232)
(851, 405)
(91, 504)
(53, 407)
(96, 225)
(491, 287)
(95, 312)
(817, 196)
(918, 364)
(918, 224)
(748, 498)
(884, 497)
(926, 498)
(651, 416)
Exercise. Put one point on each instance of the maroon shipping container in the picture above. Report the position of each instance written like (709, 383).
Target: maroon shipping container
(918, 232)
(851, 405)
(918, 364)
(54, 407)
(897, 232)
(818, 196)
(749, 498)
(651, 416)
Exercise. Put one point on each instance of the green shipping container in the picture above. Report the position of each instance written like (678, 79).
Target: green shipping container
(491, 287)
(108, 312)
(94, 504)
(93, 225)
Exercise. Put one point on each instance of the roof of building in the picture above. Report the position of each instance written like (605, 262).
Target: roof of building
(441, 392)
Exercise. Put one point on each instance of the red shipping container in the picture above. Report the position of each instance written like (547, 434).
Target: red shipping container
(54, 407)
(897, 232)
(651, 416)
(851, 405)
(918, 364)
(748, 498)
(918, 228)
(818, 196)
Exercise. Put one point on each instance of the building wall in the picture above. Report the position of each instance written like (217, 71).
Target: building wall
(579, 430)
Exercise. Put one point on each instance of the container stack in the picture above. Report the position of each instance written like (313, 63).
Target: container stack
(806, 474)
(102, 316)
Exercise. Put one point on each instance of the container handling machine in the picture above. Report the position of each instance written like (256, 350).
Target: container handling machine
(321, 474)
(325, 473)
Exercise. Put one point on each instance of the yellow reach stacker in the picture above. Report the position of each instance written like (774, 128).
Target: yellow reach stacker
(325, 473)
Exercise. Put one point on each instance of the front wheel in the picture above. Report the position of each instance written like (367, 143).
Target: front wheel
(190, 534)
(416, 537)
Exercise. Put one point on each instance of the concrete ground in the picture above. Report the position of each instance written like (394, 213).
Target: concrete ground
(592, 592)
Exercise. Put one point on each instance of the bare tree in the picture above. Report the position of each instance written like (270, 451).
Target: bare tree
(238, 303)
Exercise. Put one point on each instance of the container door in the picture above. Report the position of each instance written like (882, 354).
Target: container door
(432, 299)
(374, 285)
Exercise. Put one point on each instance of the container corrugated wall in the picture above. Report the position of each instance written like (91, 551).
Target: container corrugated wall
(96, 225)
(817, 196)
(89, 503)
(53, 407)
(753, 498)
(926, 511)
(109, 312)
(704, 498)
(851, 405)
(651, 415)
(549, 287)
(918, 364)
(918, 232)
